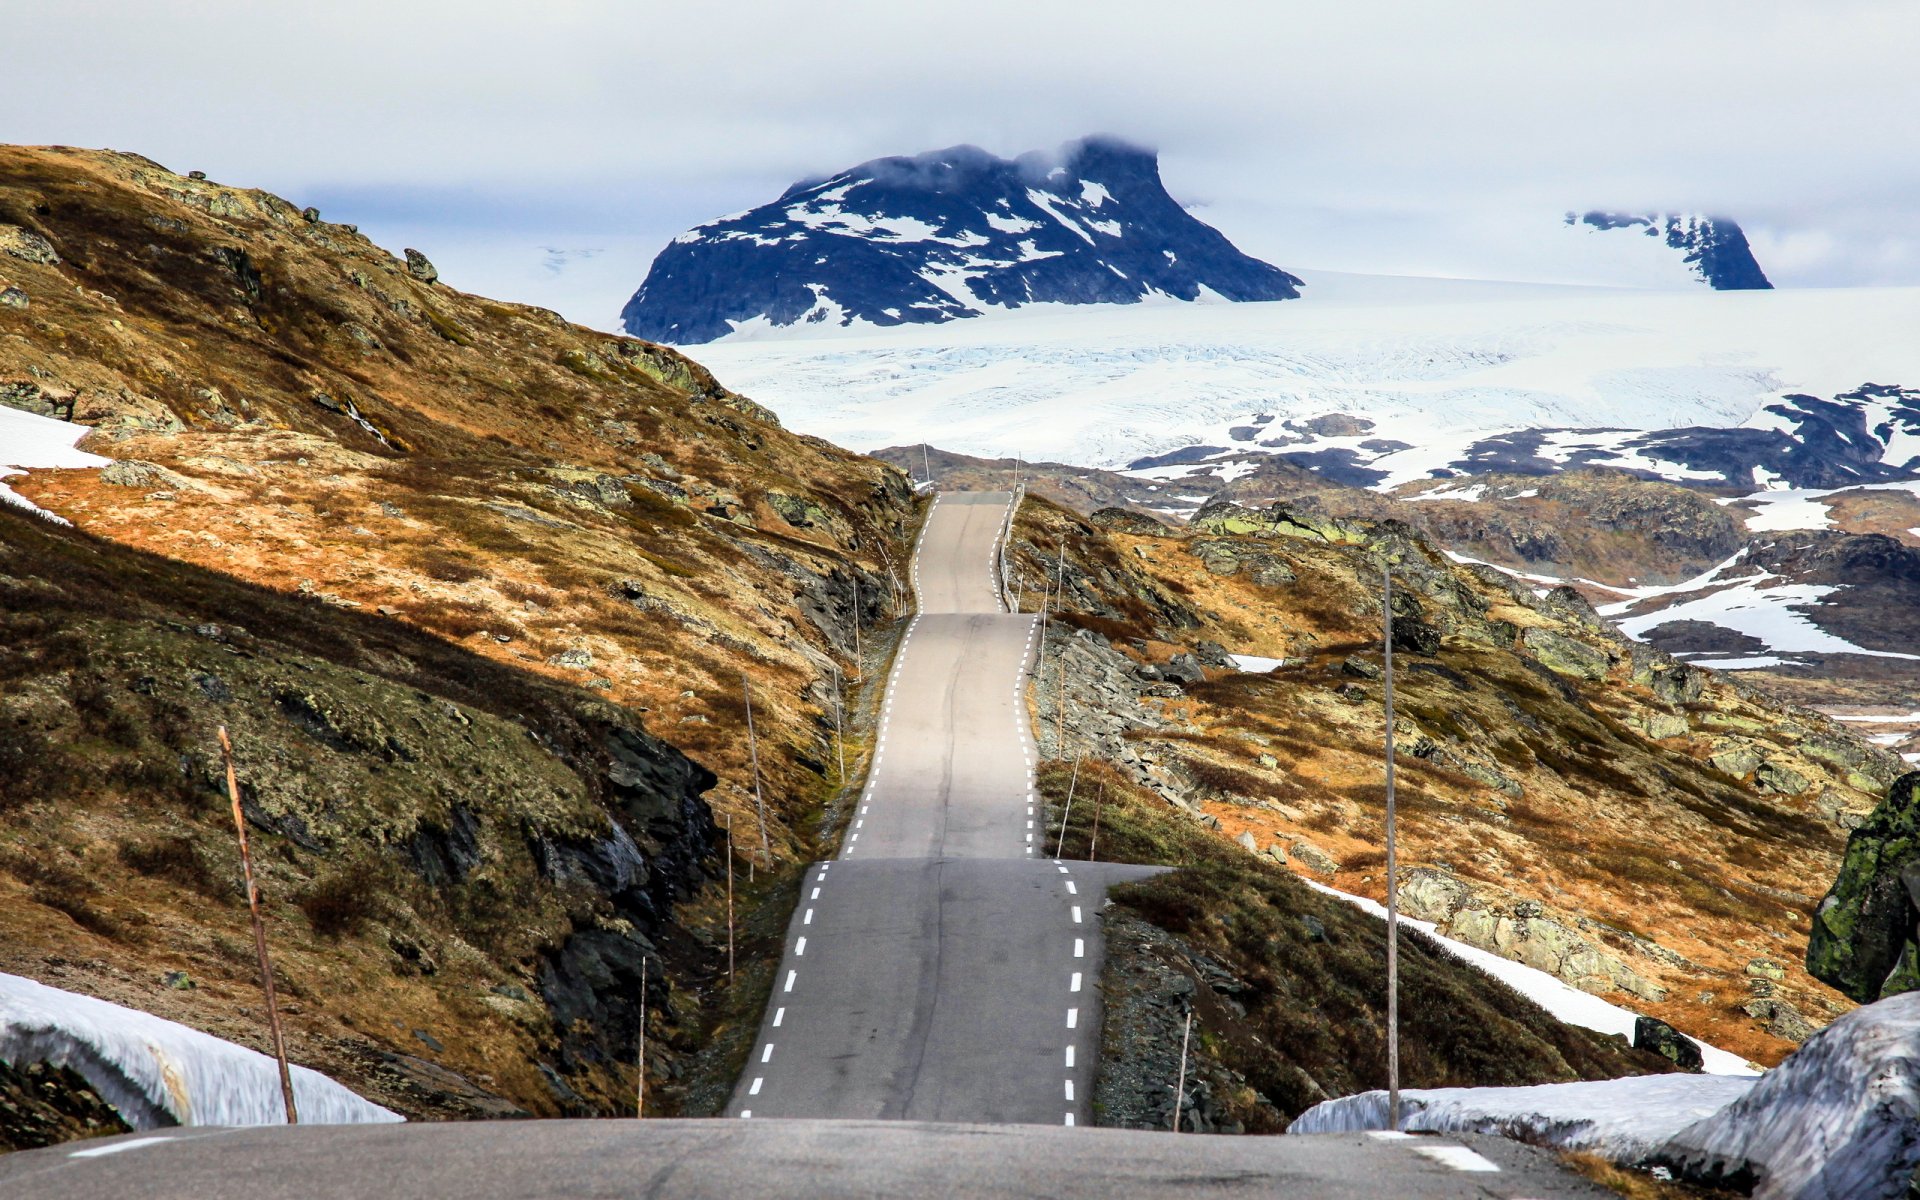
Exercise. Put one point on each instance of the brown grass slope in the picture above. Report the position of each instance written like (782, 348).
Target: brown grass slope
(416, 473)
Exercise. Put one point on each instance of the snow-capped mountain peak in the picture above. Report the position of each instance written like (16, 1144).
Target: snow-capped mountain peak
(1675, 246)
(946, 235)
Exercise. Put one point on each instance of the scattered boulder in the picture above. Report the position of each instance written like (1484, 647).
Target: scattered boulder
(575, 657)
(134, 473)
(13, 297)
(1651, 1033)
(1863, 938)
(1183, 669)
(1840, 1118)
(1411, 635)
(420, 267)
(1221, 556)
(1248, 844)
(1779, 1017)
(1566, 656)
(1313, 858)
(1127, 521)
(27, 246)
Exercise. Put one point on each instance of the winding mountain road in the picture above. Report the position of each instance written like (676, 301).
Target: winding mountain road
(942, 968)
(936, 1011)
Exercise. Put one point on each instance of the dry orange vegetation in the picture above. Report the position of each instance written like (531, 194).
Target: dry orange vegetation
(1528, 783)
(293, 405)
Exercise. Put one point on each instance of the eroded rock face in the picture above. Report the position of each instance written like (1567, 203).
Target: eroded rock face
(1863, 940)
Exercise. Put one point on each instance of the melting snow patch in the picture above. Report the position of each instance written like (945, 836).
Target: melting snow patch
(1254, 664)
(158, 1073)
(28, 441)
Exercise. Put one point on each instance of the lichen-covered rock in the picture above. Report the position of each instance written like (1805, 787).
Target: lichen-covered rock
(13, 297)
(1651, 1033)
(1222, 556)
(1863, 938)
(1127, 521)
(1225, 517)
(27, 246)
(1566, 656)
(421, 268)
(1313, 858)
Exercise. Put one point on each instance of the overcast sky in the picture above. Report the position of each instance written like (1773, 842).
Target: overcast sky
(546, 151)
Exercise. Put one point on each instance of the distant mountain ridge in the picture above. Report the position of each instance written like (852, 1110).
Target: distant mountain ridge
(943, 236)
(1713, 249)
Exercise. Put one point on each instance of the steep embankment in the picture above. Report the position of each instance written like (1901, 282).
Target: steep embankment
(1570, 799)
(456, 573)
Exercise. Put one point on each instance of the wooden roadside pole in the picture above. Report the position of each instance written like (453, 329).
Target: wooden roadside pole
(640, 1097)
(859, 671)
(259, 934)
(1072, 783)
(729, 898)
(1393, 881)
(839, 736)
(1180, 1089)
(753, 748)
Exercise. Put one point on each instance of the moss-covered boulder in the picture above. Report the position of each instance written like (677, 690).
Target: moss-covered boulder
(1863, 939)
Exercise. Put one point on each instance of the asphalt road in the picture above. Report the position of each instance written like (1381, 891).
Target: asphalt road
(752, 1160)
(942, 968)
(932, 1031)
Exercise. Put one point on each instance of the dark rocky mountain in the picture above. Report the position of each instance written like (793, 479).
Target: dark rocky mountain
(1714, 247)
(946, 235)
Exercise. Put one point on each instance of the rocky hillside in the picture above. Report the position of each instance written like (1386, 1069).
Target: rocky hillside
(432, 518)
(1571, 799)
(945, 235)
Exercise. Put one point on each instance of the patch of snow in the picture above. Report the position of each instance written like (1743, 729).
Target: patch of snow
(1471, 492)
(1006, 224)
(1881, 719)
(1752, 606)
(29, 442)
(1045, 203)
(1561, 1000)
(1621, 1119)
(157, 1072)
(1781, 509)
(1254, 663)
(1093, 195)
(1756, 662)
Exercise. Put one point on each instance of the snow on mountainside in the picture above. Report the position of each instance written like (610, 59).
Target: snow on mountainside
(941, 236)
(1669, 248)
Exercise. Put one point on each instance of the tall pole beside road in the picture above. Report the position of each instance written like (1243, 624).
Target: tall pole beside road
(259, 934)
(1393, 880)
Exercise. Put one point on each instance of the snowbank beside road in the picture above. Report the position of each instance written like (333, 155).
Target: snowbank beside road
(158, 1073)
(1626, 1120)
